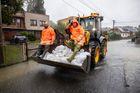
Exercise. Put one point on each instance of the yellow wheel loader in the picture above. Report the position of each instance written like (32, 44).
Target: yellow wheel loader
(96, 44)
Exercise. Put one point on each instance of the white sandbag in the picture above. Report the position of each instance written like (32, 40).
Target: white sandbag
(62, 53)
(80, 57)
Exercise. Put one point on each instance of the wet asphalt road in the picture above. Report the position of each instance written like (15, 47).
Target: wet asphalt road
(120, 74)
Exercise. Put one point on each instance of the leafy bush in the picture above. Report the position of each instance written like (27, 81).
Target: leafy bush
(114, 36)
(24, 34)
(30, 36)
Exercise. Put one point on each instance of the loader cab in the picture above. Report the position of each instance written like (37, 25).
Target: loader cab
(91, 23)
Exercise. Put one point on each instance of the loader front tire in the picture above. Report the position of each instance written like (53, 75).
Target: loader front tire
(88, 65)
(95, 56)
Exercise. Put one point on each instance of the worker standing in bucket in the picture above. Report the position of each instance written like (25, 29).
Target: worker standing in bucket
(47, 38)
(77, 37)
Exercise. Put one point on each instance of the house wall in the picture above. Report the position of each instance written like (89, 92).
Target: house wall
(21, 23)
(38, 18)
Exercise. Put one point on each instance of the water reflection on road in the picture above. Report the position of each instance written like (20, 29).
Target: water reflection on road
(120, 74)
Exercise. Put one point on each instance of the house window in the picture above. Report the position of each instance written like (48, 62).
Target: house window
(14, 21)
(42, 23)
(18, 21)
(33, 22)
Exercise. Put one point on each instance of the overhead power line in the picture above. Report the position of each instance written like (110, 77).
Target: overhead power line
(99, 10)
(91, 8)
(87, 5)
(73, 7)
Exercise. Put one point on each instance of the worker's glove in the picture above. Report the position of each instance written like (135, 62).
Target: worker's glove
(81, 43)
(75, 42)
(51, 43)
(80, 38)
(42, 43)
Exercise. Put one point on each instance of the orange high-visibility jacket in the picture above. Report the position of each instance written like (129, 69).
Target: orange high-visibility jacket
(78, 33)
(48, 36)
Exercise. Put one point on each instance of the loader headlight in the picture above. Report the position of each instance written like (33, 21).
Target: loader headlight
(93, 29)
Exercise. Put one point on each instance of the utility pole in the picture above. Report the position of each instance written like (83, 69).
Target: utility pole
(1, 38)
(113, 25)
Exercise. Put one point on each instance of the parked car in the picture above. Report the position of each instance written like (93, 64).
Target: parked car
(19, 39)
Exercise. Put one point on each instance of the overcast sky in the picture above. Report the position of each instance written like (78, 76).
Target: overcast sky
(125, 12)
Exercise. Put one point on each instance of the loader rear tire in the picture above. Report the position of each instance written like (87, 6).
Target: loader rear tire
(103, 49)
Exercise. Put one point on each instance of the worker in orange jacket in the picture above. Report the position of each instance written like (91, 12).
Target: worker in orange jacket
(78, 36)
(47, 38)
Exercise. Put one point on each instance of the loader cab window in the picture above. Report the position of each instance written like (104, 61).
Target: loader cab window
(88, 23)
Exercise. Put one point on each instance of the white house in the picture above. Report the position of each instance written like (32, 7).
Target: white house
(126, 31)
(124, 34)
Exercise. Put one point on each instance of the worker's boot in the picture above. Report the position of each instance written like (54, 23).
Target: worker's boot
(40, 50)
(76, 49)
(46, 49)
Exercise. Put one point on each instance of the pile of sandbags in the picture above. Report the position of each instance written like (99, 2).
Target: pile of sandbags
(62, 53)
(80, 57)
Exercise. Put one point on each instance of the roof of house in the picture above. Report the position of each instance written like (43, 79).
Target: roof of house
(127, 29)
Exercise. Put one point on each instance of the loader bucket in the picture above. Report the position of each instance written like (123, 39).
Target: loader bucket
(63, 65)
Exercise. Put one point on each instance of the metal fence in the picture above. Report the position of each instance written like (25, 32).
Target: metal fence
(31, 48)
(31, 52)
(17, 53)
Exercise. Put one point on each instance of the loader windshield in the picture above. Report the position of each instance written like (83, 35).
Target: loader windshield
(87, 23)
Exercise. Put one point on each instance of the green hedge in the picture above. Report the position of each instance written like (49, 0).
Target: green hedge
(30, 36)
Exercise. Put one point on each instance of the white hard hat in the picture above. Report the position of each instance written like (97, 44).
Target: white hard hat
(46, 23)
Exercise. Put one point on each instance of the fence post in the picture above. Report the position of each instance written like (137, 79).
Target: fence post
(1, 55)
(1, 38)
(25, 51)
(27, 55)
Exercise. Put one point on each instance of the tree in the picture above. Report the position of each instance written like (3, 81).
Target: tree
(9, 8)
(35, 6)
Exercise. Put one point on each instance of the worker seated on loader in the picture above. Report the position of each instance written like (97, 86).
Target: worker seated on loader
(77, 38)
(47, 39)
